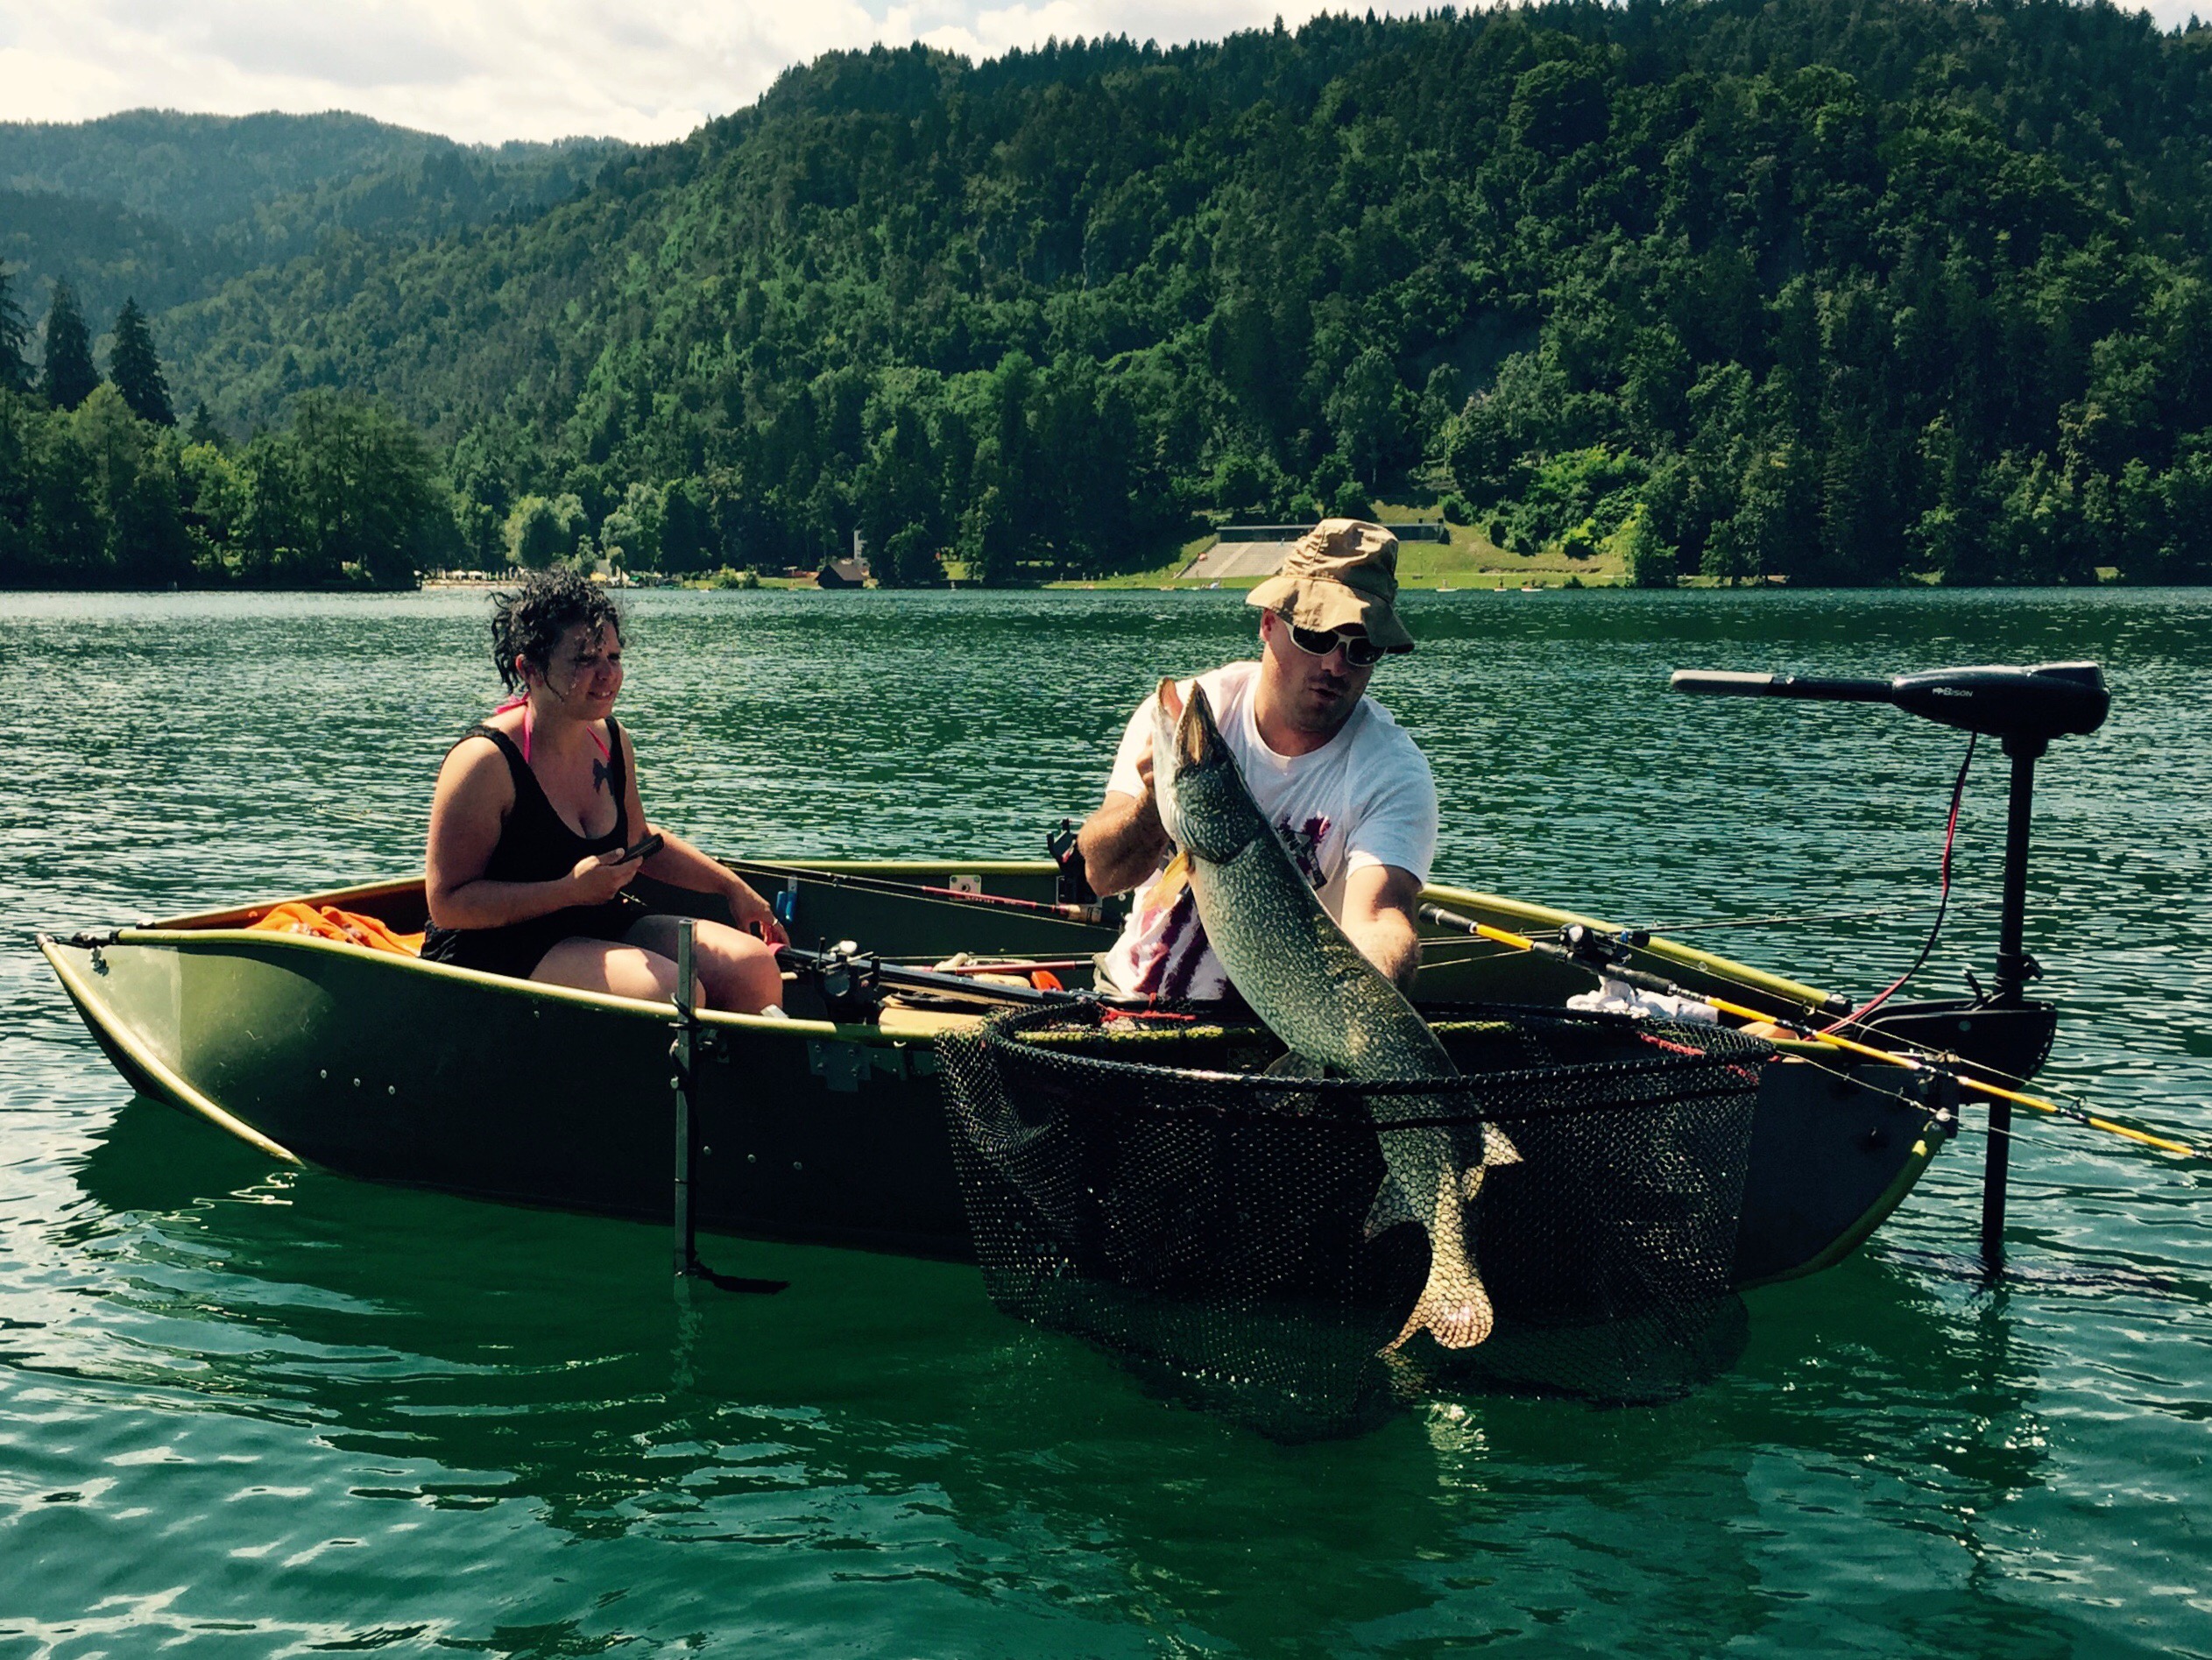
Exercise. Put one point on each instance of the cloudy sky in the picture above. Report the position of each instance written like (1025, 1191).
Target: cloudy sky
(493, 69)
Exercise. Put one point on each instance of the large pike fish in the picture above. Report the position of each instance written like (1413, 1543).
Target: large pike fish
(1325, 1000)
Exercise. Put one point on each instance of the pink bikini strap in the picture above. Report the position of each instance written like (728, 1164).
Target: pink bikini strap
(521, 701)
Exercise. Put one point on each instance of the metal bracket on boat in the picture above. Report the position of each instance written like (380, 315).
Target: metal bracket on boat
(1072, 883)
(693, 1042)
(849, 981)
(95, 942)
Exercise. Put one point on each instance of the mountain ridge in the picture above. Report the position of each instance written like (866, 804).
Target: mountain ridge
(1829, 290)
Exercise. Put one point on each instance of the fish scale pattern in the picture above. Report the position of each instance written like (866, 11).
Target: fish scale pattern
(1151, 1185)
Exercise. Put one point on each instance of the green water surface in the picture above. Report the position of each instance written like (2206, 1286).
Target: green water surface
(247, 1411)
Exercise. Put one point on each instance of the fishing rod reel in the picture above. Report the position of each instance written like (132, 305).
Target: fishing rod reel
(2000, 1031)
(854, 983)
(849, 980)
(1071, 879)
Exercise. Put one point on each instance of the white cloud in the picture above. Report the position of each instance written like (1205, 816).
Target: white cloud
(493, 69)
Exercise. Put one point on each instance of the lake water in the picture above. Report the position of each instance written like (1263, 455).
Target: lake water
(251, 1412)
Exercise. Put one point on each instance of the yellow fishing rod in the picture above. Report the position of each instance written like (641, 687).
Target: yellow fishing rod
(1649, 982)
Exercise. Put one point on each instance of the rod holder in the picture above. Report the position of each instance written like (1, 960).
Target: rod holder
(692, 1042)
(682, 1057)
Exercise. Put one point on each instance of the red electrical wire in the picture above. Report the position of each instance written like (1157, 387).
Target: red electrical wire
(1943, 900)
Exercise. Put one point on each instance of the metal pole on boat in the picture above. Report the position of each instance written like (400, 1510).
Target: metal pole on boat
(681, 1053)
(693, 1043)
(2013, 968)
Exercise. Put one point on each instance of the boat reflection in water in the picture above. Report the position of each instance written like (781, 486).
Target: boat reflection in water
(881, 1418)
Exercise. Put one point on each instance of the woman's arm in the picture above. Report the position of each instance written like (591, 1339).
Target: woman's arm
(680, 865)
(475, 794)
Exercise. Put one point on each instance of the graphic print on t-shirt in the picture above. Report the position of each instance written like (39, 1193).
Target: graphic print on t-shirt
(1180, 944)
(1363, 798)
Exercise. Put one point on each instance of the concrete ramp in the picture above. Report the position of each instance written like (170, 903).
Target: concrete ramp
(1227, 559)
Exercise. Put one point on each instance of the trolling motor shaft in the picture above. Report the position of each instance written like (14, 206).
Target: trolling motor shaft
(2025, 709)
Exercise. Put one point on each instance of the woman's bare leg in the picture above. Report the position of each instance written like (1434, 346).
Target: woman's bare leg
(609, 965)
(735, 972)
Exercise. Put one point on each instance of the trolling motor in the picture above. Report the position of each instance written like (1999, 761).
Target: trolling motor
(2024, 709)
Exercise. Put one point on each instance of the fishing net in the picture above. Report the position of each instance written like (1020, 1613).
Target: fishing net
(1229, 1231)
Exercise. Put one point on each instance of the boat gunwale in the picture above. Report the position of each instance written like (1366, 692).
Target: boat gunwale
(272, 939)
(1758, 981)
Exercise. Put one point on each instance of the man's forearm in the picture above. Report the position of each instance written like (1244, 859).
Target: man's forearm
(1378, 918)
(1121, 842)
(1388, 939)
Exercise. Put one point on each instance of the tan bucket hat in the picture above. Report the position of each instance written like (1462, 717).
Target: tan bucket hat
(1341, 574)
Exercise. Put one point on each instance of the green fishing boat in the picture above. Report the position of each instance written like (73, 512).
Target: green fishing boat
(830, 1126)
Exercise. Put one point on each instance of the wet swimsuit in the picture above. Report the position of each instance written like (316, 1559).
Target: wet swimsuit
(536, 846)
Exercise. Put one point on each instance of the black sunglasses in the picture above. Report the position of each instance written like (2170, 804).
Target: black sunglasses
(1358, 650)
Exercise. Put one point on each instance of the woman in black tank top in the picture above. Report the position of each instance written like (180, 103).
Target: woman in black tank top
(533, 809)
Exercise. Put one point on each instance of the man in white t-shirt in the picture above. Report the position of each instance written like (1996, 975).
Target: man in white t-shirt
(1342, 782)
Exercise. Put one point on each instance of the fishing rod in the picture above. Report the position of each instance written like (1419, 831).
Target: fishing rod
(1649, 982)
(1707, 924)
(887, 886)
(849, 978)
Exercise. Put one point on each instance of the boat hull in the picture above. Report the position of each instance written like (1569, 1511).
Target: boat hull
(394, 1069)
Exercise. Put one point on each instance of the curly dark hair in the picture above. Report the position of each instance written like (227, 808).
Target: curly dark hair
(529, 621)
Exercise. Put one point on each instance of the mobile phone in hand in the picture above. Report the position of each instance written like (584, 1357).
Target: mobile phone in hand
(645, 848)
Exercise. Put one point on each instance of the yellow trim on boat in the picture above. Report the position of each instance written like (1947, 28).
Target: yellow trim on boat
(265, 938)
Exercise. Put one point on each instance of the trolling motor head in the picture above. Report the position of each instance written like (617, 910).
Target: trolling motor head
(2026, 708)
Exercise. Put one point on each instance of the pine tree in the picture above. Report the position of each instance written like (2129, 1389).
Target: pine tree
(136, 370)
(69, 376)
(203, 429)
(15, 335)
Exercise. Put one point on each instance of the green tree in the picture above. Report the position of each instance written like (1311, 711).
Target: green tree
(375, 510)
(1368, 411)
(988, 546)
(630, 535)
(274, 534)
(204, 429)
(15, 340)
(135, 369)
(69, 376)
(137, 494)
(18, 418)
(691, 534)
(541, 531)
(213, 498)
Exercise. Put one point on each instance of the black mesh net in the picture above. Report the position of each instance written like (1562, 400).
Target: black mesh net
(1240, 1236)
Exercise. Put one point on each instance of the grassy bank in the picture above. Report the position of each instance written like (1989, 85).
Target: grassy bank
(1469, 560)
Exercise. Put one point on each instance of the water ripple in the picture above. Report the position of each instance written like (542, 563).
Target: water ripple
(286, 1414)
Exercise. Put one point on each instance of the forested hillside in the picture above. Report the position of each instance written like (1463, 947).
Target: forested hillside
(1835, 292)
(160, 207)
